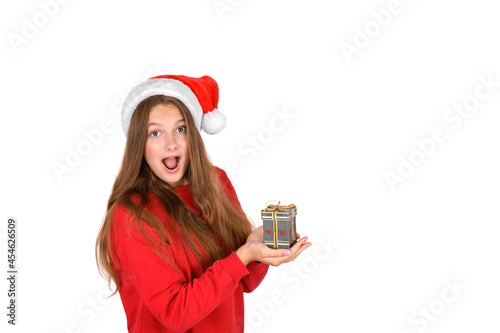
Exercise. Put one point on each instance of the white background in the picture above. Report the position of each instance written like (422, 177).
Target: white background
(380, 259)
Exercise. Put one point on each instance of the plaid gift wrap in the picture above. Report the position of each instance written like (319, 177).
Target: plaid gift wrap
(279, 226)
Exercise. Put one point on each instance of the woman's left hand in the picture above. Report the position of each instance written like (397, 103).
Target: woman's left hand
(258, 251)
(257, 235)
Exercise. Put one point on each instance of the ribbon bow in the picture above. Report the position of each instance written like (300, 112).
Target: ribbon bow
(272, 208)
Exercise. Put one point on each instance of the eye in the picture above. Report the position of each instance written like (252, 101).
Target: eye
(182, 129)
(154, 134)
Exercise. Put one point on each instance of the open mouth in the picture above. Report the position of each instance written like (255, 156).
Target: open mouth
(171, 163)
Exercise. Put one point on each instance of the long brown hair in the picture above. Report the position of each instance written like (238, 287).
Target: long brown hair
(135, 179)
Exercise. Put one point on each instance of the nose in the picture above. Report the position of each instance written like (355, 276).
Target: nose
(169, 142)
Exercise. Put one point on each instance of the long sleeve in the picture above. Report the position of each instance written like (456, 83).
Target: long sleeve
(174, 302)
(257, 273)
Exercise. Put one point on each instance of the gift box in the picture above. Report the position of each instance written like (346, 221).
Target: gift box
(280, 231)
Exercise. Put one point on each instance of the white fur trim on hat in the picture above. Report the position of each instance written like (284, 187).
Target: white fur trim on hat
(213, 122)
(161, 86)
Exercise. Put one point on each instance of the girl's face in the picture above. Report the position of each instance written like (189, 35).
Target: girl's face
(167, 146)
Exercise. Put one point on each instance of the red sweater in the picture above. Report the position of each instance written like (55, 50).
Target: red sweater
(158, 299)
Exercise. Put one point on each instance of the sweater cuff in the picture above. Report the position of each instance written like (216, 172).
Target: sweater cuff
(234, 267)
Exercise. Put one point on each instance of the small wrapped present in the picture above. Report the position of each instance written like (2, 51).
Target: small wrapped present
(279, 226)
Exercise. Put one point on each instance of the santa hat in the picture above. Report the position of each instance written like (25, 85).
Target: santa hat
(200, 95)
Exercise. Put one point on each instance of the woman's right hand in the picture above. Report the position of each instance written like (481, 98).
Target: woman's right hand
(258, 251)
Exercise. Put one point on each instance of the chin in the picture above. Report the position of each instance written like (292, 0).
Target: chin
(175, 182)
(176, 179)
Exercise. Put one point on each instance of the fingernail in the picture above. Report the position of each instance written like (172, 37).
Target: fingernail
(286, 252)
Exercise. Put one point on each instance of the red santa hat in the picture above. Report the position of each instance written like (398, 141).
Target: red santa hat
(200, 95)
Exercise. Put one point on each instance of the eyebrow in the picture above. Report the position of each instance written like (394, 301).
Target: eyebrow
(176, 123)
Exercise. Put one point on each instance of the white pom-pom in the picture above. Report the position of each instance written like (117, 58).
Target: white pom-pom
(213, 122)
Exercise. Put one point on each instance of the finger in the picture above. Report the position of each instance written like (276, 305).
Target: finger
(301, 249)
(299, 242)
(276, 261)
(275, 253)
(298, 248)
(263, 251)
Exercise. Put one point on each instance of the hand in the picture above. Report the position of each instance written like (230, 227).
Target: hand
(256, 236)
(258, 251)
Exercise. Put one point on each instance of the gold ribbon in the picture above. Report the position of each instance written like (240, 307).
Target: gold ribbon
(272, 208)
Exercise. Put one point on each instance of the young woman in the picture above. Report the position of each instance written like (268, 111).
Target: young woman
(175, 240)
